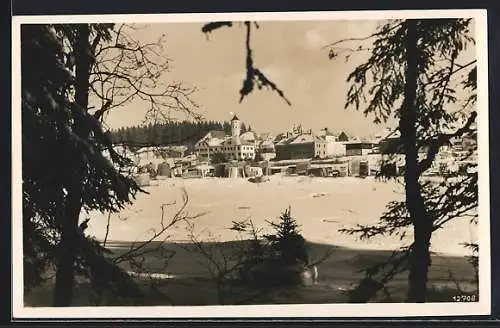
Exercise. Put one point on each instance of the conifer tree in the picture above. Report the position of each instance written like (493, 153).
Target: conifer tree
(64, 136)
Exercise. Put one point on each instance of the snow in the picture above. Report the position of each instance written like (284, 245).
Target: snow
(321, 206)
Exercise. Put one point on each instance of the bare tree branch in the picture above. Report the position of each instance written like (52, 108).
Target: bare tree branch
(126, 70)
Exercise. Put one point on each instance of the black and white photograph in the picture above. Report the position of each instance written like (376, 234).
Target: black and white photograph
(305, 164)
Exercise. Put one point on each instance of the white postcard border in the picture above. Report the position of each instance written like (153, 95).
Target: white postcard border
(483, 307)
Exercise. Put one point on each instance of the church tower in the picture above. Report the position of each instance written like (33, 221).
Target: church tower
(235, 127)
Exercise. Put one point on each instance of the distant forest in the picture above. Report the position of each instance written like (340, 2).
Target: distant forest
(173, 133)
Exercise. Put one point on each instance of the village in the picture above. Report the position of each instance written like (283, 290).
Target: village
(256, 156)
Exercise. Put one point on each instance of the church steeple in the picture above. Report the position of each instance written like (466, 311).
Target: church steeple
(235, 126)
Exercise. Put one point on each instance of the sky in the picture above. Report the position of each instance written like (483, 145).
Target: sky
(290, 53)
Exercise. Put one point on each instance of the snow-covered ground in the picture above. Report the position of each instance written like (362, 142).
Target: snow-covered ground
(321, 206)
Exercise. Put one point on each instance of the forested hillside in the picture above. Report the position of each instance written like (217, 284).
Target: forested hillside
(172, 133)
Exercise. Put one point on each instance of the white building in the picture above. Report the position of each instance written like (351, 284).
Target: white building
(233, 147)
(320, 147)
(209, 144)
(329, 144)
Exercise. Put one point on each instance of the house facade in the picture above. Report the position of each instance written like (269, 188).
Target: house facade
(266, 148)
(321, 148)
(335, 143)
(296, 147)
(306, 145)
(233, 147)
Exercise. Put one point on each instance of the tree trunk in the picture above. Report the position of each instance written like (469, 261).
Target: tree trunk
(63, 291)
(420, 257)
(69, 223)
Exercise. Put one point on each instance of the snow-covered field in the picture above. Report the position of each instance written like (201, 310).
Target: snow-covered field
(321, 206)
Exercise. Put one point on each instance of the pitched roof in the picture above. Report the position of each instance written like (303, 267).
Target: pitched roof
(320, 138)
(249, 135)
(217, 134)
(237, 141)
(299, 139)
(343, 133)
(235, 118)
(215, 142)
(210, 136)
(267, 143)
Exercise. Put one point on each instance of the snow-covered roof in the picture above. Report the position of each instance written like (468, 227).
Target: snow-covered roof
(217, 134)
(299, 139)
(248, 136)
(266, 136)
(267, 143)
(215, 142)
(236, 141)
(211, 135)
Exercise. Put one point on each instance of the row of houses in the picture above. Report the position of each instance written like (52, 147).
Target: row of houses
(328, 145)
(299, 144)
(285, 152)
(291, 145)
(323, 145)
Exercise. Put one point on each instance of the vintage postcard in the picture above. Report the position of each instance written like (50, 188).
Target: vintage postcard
(294, 164)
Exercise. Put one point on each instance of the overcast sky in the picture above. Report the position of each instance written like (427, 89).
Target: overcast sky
(289, 53)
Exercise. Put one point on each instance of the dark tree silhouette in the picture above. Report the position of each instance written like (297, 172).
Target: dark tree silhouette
(253, 266)
(57, 127)
(418, 61)
(243, 128)
(64, 169)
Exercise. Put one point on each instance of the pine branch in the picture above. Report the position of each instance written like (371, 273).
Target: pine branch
(443, 139)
